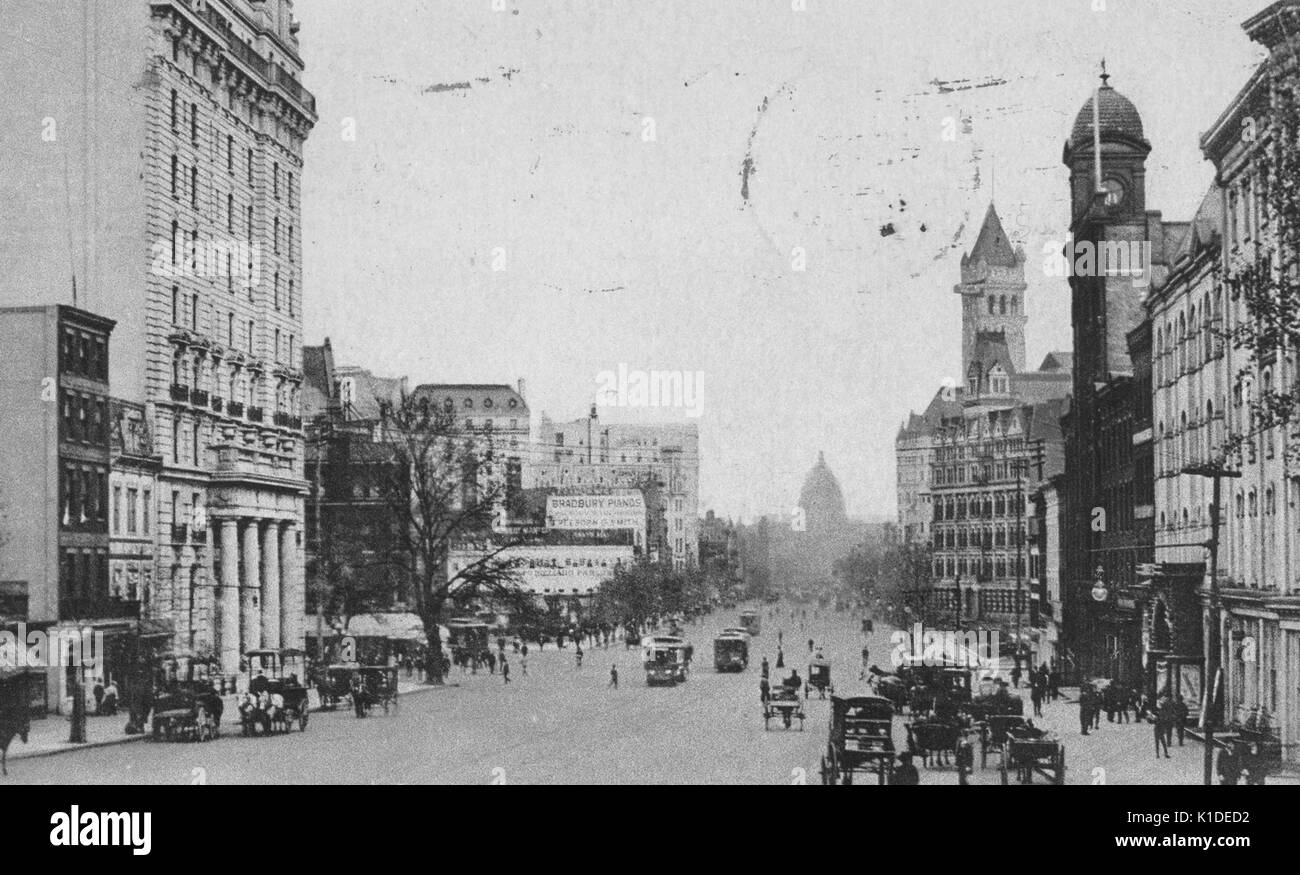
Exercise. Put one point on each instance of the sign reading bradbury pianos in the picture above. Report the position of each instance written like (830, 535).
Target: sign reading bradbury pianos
(595, 511)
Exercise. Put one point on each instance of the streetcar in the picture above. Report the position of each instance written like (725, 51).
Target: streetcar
(751, 621)
(731, 652)
(665, 659)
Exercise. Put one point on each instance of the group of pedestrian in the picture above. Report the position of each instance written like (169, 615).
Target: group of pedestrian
(1170, 716)
(1041, 688)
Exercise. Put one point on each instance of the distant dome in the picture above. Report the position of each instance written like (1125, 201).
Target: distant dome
(1119, 117)
(821, 498)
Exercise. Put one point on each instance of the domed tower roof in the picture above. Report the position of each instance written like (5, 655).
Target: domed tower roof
(1119, 118)
(821, 497)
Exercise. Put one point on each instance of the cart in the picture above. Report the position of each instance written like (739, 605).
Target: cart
(861, 739)
(374, 685)
(819, 678)
(277, 678)
(1026, 754)
(783, 703)
(334, 683)
(995, 731)
(187, 711)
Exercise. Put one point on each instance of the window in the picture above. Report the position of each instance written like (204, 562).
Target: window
(230, 214)
(275, 236)
(176, 305)
(230, 155)
(175, 170)
(992, 304)
(176, 241)
(175, 122)
(249, 223)
(250, 336)
(194, 313)
(146, 511)
(275, 180)
(194, 124)
(117, 509)
(250, 166)
(230, 329)
(132, 497)
(290, 298)
(194, 187)
(275, 290)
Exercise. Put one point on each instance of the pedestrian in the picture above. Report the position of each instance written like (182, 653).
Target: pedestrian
(577, 655)
(1015, 675)
(1054, 684)
(1163, 724)
(764, 668)
(779, 635)
(764, 690)
(1123, 697)
(505, 669)
(1085, 708)
(866, 662)
(523, 662)
(491, 661)
(780, 658)
(810, 645)
(1036, 695)
(613, 676)
(1180, 717)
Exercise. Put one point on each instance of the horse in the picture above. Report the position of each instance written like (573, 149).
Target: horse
(937, 738)
(15, 722)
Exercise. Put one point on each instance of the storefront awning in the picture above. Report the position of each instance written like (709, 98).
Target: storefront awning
(396, 627)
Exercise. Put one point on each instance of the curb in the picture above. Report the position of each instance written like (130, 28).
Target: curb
(17, 753)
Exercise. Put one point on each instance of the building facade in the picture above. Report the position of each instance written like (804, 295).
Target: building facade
(183, 165)
(589, 453)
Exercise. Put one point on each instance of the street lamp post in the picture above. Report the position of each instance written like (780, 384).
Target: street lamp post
(1217, 472)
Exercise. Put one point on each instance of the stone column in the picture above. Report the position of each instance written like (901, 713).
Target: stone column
(271, 586)
(291, 589)
(252, 585)
(229, 600)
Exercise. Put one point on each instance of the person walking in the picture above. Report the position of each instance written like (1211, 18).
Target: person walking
(780, 658)
(577, 655)
(1036, 695)
(1085, 708)
(613, 676)
(764, 668)
(1015, 674)
(1180, 717)
(764, 690)
(1162, 725)
(810, 645)
(505, 669)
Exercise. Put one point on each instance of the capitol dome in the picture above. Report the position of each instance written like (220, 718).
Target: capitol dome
(821, 498)
(1119, 118)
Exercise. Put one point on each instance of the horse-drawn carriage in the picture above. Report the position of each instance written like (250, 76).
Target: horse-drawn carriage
(997, 704)
(936, 739)
(1021, 748)
(333, 683)
(15, 710)
(861, 739)
(783, 703)
(819, 678)
(187, 707)
(937, 688)
(373, 685)
(276, 698)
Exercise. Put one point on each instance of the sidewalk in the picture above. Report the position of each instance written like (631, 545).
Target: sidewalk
(49, 736)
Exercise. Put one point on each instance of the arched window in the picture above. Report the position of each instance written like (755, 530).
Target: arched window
(1182, 344)
(1182, 439)
(1207, 330)
(1194, 339)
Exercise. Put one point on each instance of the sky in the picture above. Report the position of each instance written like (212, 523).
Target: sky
(554, 189)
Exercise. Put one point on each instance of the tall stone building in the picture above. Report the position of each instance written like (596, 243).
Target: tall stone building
(1108, 491)
(163, 184)
(992, 290)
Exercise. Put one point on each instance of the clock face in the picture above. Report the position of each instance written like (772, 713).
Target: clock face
(1114, 191)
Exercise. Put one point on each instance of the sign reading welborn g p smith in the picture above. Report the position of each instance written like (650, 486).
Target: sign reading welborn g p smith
(588, 512)
(52, 648)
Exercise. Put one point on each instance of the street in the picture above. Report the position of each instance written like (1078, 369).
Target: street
(563, 725)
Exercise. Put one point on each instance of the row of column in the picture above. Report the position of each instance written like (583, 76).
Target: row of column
(258, 608)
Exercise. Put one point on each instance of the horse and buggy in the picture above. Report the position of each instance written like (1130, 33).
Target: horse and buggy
(15, 710)
(819, 678)
(374, 686)
(783, 703)
(333, 683)
(1022, 749)
(861, 739)
(276, 698)
(186, 705)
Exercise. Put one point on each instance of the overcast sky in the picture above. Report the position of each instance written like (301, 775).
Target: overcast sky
(596, 152)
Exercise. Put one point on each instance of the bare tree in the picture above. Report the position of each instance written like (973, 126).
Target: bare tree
(445, 491)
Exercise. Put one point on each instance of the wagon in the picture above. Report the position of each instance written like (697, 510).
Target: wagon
(819, 678)
(374, 685)
(334, 683)
(278, 678)
(784, 704)
(861, 739)
(935, 739)
(1025, 756)
(995, 732)
(187, 711)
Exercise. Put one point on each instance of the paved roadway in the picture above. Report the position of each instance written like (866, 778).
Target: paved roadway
(563, 725)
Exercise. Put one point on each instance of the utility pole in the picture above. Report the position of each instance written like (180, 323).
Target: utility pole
(1212, 645)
